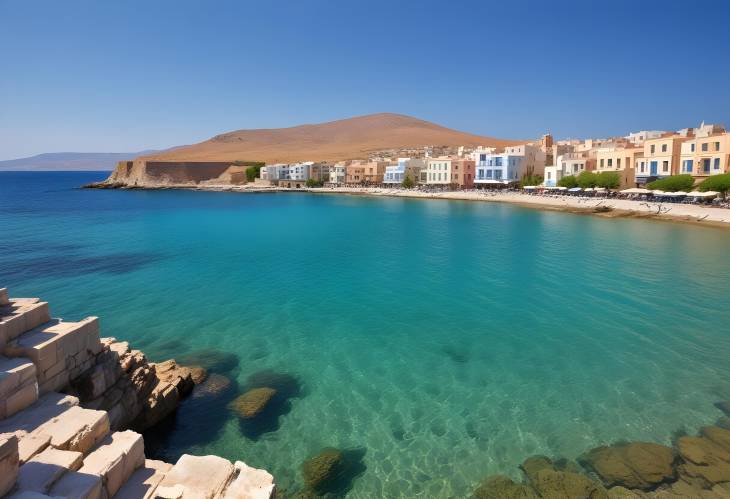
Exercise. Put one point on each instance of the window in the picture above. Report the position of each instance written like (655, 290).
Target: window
(610, 162)
(665, 166)
(498, 174)
(602, 163)
(653, 148)
(482, 157)
(664, 148)
(692, 147)
(706, 165)
(688, 166)
(717, 164)
(717, 146)
(618, 162)
(489, 173)
(643, 167)
(704, 147)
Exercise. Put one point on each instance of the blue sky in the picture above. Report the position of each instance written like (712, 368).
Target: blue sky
(136, 74)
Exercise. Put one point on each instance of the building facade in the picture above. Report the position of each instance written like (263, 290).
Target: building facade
(462, 173)
(405, 167)
(337, 174)
(438, 171)
(705, 154)
(621, 160)
(365, 172)
(660, 159)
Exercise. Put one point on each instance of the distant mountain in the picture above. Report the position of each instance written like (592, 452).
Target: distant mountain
(350, 138)
(70, 161)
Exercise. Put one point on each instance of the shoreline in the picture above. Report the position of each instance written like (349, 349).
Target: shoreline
(702, 215)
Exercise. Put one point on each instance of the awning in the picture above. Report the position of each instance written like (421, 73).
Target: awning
(575, 189)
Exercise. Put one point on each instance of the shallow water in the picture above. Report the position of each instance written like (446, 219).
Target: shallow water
(438, 341)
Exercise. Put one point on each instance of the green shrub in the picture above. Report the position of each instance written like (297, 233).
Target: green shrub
(609, 180)
(253, 172)
(531, 180)
(719, 183)
(313, 182)
(673, 183)
(568, 182)
(586, 180)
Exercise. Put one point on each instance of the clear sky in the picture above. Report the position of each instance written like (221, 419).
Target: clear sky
(126, 75)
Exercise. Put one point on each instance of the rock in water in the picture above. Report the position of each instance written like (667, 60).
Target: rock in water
(177, 375)
(533, 464)
(250, 404)
(636, 465)
(501, 487)
(198, 374)
(214, 384)
(551, 484)
(321, 470)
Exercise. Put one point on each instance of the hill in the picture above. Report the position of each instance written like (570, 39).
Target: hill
(350, 138)
(69, 161)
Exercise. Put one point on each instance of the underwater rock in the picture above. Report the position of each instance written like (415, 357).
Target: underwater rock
(198, 374)
(635, 465)
(551, 484)
(705, 460)
(624, 493)
(501, 487)
(322, 469)
(533, 464)
(251, 403)
(214, 384)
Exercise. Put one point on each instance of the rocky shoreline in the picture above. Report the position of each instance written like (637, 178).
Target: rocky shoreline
(71, 407)
(694, 467)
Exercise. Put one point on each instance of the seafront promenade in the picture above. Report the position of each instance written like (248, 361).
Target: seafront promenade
(67, 401)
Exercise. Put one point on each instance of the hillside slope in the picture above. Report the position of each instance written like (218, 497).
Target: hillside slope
(69, 161)
(332, 141)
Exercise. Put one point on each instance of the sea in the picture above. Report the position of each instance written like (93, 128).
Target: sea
(433, 342)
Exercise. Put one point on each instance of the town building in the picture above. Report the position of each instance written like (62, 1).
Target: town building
(462, 173)
(405, 167)
(619, 159)
(510, 165)
(438, 171)
(638, 138)
(365, 172)
(660, 159)
(706, 153)
(337, 174)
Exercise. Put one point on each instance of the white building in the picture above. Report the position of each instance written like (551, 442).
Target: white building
(438, 171)
(273, 172)
(553, 174)
(510, 165)
(337, 173)
(638, 138)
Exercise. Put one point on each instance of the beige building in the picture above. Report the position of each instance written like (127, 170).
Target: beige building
(661, 158)
(621, 160)
(438, 171)
(362, 172)
(705, 154)
(462, 173)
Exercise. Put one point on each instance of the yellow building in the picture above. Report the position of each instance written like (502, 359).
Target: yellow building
(661, 158)
(705, 155)
(622, 160)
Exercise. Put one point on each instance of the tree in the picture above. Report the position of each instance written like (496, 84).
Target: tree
(719, 183)
(408, 182)
(253, 172)
(673, 183)
(609, 180)
(568, 182)
(587, 179)
(313, 182)
(531, 179)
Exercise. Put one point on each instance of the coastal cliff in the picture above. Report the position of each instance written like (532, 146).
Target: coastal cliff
(70, 403)
(144, 173)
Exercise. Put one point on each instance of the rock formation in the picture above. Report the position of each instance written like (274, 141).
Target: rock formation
(73, 444)
(253, 402)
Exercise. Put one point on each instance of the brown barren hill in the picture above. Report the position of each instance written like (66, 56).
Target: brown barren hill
(354, 138)
(350, 138)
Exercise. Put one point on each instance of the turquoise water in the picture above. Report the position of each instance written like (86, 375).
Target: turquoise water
(438, 341)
